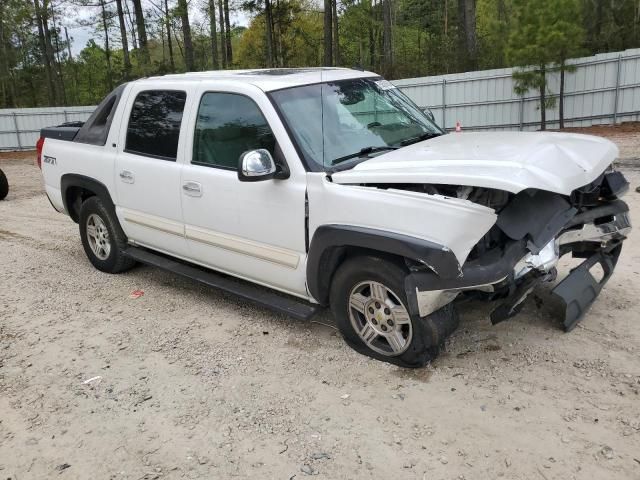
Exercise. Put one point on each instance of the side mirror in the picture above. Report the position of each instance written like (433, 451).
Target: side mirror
(429, 114)
(256, 165)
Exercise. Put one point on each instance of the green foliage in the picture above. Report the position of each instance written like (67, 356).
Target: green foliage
(298, 34)
(544, 34)
(428, 39)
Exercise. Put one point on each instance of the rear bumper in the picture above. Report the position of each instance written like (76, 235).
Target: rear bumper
(512, 272)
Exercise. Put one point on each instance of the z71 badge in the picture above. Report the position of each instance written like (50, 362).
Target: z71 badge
(49, 160)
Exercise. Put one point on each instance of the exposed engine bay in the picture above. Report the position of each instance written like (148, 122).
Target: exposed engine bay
(534, 228)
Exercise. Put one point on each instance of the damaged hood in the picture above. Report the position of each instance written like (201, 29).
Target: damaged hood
(511, 161)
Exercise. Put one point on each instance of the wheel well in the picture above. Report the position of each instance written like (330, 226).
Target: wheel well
(333, 257)
(331, 244)
(77, 188)
(74, 197)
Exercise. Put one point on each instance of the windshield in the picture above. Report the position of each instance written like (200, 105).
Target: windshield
(345, 122)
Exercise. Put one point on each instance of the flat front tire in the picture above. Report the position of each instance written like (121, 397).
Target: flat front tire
(369, 304)
(102, 237)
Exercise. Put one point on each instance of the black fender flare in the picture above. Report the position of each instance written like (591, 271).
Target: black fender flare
(71, 180)
(330, 241)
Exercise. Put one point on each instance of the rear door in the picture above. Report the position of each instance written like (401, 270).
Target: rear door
(148, 167)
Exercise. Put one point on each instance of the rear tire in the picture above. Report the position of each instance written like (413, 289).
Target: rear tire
(102, 237)
(4, 186)
(370, 307)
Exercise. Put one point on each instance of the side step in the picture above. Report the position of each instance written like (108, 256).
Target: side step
(262, 296)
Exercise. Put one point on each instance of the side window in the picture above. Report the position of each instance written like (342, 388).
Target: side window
(154, 123)
(229, 124)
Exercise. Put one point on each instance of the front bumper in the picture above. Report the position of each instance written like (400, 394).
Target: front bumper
(510, 273)
(580, 288)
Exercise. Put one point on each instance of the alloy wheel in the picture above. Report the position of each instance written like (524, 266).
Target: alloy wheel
(380, 318)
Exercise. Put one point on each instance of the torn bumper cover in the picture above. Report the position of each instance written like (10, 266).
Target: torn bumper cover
(579, 289)
(529, 257)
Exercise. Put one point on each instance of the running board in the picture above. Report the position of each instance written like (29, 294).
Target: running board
(280, 303)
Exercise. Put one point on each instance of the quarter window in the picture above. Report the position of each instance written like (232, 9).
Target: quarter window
(228, 125)
(154, 124)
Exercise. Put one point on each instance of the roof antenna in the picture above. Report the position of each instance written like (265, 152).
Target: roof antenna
(358, 66)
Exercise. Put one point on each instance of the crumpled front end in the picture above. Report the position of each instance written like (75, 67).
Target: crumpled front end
(534, 229)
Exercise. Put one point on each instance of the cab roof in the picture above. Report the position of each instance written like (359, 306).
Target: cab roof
(272, 79)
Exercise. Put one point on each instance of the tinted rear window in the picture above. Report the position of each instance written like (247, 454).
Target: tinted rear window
(154, 124)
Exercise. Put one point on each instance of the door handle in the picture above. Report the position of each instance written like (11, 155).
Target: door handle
(193, 189)
(126, 176)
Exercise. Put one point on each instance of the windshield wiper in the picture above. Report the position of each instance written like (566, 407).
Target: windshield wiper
(419, 138)
(363, 151)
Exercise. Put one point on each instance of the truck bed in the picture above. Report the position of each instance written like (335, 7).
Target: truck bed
(66, 131)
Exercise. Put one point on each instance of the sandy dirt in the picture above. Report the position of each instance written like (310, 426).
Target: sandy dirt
(186, 382)
(625, 135)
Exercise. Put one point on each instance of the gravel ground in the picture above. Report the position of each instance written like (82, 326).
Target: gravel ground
(186, 382)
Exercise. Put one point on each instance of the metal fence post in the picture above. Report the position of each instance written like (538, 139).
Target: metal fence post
(15, 124)
(444, 103)
(66, 117)
(617, 94)
(521, 113)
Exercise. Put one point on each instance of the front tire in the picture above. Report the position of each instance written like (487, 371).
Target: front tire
(102, 237)
(369, 303)
(4, 186)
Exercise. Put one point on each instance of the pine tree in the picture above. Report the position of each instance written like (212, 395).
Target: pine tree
(544, 34)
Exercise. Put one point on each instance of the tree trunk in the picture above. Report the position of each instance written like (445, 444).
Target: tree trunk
(328, 27)
(51, 89)
(336, 39)
(74, 67)
(167, 21)
(132, 26)
(387, 44)
(543, 97)
(227, 32)
(142, 32)
(107, 50)
(214, 35)
(279, 46)
(58, 62)
(186, 35)
(372, 43)
(446, 18)
(55, 66)
(561, 100)
(470, 32)
(57, 77)
(164, 53)
(268, 21)
(467, 14)
(4, 61)
(223, 37)
(276, 34)
(8, 86)
(123, 39)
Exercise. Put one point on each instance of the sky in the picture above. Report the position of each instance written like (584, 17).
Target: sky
(82, 34)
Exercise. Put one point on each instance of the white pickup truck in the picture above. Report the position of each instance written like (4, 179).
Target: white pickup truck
(331, 188)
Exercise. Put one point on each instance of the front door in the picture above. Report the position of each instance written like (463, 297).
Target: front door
(254, 230)
(148, 169)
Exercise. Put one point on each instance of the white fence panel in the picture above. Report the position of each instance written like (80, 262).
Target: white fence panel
(603, 89)
(20, 127)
